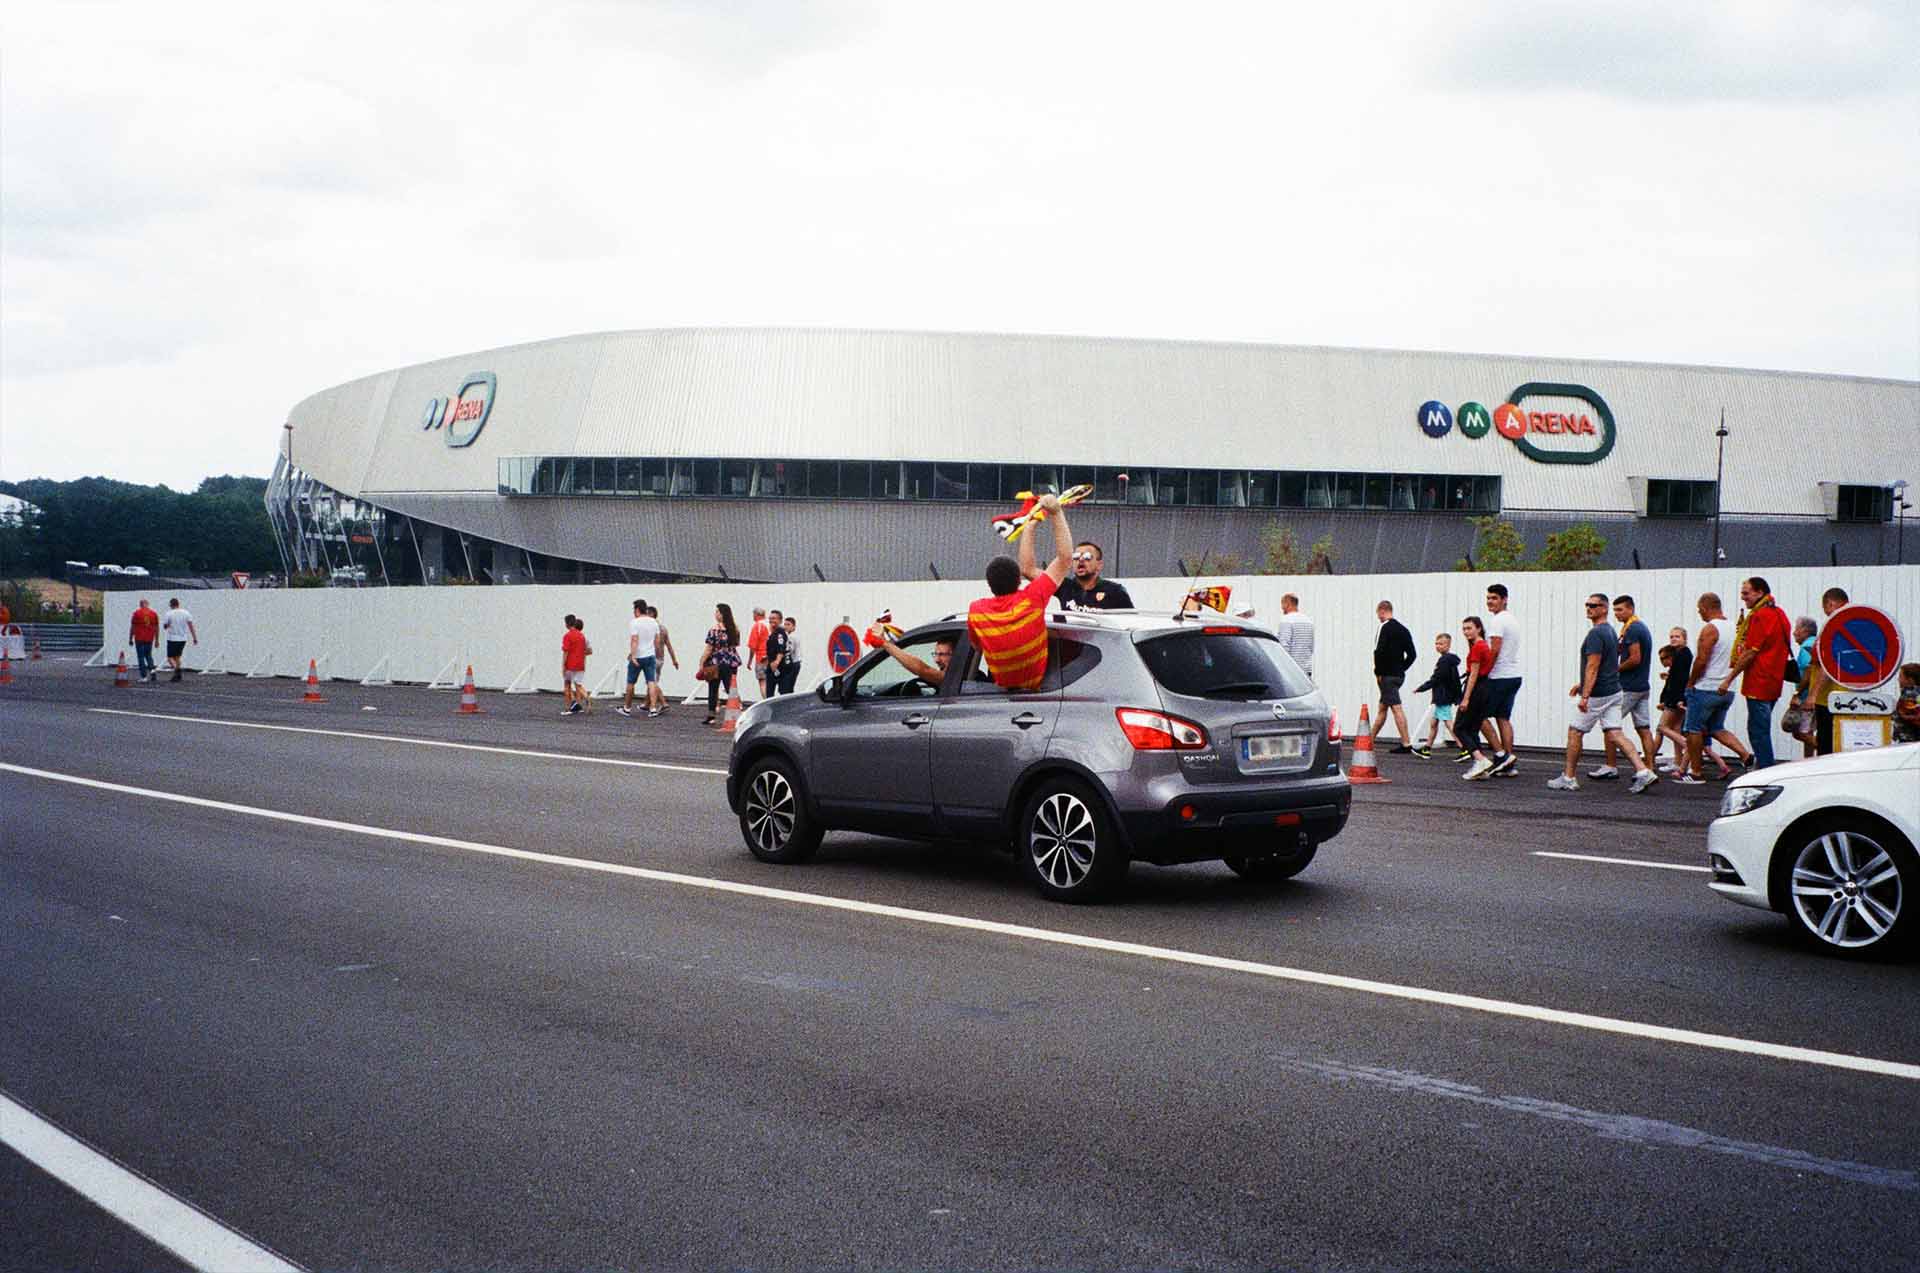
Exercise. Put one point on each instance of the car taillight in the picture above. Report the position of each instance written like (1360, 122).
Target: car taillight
(1157, 731)
(1333, 725)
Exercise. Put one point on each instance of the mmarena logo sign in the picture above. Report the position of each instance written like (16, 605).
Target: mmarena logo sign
(1522, 427)
(465, 413)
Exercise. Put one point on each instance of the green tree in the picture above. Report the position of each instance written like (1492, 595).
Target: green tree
(1285, 557)
(1578, 547)
(1497, 545)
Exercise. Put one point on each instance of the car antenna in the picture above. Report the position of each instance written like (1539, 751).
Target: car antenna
(1180, 612)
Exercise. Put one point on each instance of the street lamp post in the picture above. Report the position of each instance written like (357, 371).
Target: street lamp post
(1719, 471)
(1901, 505)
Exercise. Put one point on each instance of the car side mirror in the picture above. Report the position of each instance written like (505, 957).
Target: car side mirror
(829, 689)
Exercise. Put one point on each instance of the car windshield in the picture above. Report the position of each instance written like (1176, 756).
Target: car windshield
(1224, 663)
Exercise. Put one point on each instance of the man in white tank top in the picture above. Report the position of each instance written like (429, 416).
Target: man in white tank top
(1707, 703)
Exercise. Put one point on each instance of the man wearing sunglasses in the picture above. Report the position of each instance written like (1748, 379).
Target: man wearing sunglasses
(1597, 701)
(1087, 590)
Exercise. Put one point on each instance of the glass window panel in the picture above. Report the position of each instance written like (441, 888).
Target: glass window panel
(1430, 487)
(1457, 494)
(1046, 477)
(1319, 490)
(1233, 488)
(1378, 490)
(545, 476)
(1260, 489)
(949, 481)
(1290, 490)
(706, 477)
(919, 480)
(565, 476)
(789, 477)
(680, 479)
(1079, 475)
(823, 479)
(1705, 497)
(1013, 479)
(1201, 487)
(503, 481)
(1486, 494)
(1403, 498)
(654, 476)
(736, 478)
(603, 483)
(1140, 486)
(886, 480)
(983, 483)
(1106, 485)
(1346, 490)
(627, 477)
(1170, 487)
(856, 480)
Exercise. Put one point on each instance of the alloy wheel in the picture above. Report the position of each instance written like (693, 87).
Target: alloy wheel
(1847, 889)
(1064, 840)
(770, 810)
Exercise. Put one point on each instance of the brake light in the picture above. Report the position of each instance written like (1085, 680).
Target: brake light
(1333, 725)
(1157, 731)
(1219, 631)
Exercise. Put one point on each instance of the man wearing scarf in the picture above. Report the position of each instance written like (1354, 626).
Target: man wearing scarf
(1760, 646)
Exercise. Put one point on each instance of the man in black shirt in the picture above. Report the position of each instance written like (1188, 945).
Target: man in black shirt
(1393, 654)
(777, 646)
(1087, 590)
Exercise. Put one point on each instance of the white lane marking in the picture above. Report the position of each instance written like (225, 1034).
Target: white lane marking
(1385, 989)
(1587, 857)
(417, 742)
(135, 1201)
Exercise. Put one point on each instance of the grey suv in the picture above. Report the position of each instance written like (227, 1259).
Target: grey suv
(1168, 740)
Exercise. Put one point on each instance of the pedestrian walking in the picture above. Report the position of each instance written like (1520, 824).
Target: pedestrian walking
(790, 658)
(143, 629)
(1444, 685)
(1471, 721)
(757, 649)
(776, 651)
(1797, 720)
(662, 649)
(1707, 704)
(721, 660)
(1597, 700)
(1677, 658)
(1816, 694)
(574, 650)
(1762, 641)
(1636, 687)
(1393, 654)
(1295, 631)
(1503, 679)
(178, 626)
(643, 657)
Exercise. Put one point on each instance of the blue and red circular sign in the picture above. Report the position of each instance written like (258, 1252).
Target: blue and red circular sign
(1860, 647)
(843, 647)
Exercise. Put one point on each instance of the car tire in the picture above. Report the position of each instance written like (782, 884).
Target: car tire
(1851, 886)
(1067, 844)
(773, 814)
(1272, 866)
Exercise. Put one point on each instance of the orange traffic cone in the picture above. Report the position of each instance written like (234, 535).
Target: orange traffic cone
(1363, 768)
(6, 668)
(313, 683)
(120, 679)
(730, 714)
(469, 701)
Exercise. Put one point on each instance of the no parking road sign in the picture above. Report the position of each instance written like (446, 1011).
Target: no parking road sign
(1860, 647)
(843, 647)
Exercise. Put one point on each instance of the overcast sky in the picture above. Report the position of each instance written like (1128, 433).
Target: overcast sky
(211, 211)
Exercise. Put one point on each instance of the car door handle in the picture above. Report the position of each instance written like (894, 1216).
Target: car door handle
(1027, 720)
(915, 721)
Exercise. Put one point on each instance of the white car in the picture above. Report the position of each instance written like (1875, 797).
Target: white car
(1829, 842)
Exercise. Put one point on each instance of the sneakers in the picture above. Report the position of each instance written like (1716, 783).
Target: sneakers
(1688, 780)
(1401, 750)
(623, 711)
(1605, 773)
(1425, 753)
(1560, 782)
(1463, 757)
(577, 707)
(1502, 764)
(1481, 768)
(1642, 780)
(655, 711)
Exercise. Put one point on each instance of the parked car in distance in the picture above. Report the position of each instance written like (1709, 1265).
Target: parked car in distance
(349, 574)
(1154, 738)
(106, 569)
(135, 570)
(1828, 842)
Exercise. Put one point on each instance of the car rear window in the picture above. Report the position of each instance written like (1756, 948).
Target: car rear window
(1222, 663)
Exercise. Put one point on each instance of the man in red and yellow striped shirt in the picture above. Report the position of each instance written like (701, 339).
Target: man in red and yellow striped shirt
(1010, 627)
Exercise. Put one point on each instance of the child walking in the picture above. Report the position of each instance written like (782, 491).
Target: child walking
(1444, 682)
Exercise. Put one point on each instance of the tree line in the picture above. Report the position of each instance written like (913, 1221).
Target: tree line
(221, 526)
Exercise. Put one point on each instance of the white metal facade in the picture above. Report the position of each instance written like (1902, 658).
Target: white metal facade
(1008, 399)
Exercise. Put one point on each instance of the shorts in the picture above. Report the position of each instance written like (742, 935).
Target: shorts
(1390, 689)
(1707, 711)
(1634, 710)
(1443, 711)
(1500, 696)
(572, 675)
(648, 667)
(176, 648)
(1602, 712)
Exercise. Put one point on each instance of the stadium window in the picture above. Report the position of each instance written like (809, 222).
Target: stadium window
(655, 476)
(1230, 490)
(1319, 490)
(1403, 498)
(950, 481)
(736, 478)
(1012, 479)
(1140, 485)
(1346, 490)
(680, 477)
(1671, 497)
(918, 478)
(1864, 504)
(1170, 488)
(706, 477)
(1290, 490)
(627, 477)
(823, 479)
(603, 483)
(1203, 488)
(856, 480)
(789, 477)
(1486, 494)
(1106, 485)
(983, 483)
(1079, 476)
(503, 477)
(1260, 489)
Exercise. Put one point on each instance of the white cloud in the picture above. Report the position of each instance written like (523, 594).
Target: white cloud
(216, 211)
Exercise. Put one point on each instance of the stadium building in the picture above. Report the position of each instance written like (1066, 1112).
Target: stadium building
(772, 454)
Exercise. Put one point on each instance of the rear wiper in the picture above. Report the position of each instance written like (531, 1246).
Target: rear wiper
(1236, 689)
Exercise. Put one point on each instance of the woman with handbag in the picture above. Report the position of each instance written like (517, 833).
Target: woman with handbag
(721, 660)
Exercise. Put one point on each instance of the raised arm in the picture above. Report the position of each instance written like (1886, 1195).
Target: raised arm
(1062, 538)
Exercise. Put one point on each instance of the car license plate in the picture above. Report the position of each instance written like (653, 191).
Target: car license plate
(1263, 748)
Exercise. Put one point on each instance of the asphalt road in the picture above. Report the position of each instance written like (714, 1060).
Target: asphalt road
(364, 1050)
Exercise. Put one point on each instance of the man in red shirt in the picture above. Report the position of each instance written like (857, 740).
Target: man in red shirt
(1010, 627)
(757, 648)
(143, 630)
(573, 666)
(1760, 658)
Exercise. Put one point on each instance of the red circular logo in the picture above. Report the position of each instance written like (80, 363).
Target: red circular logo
(1510, 420)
